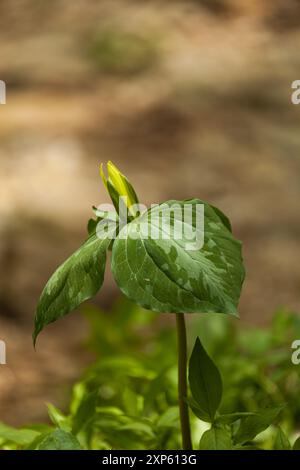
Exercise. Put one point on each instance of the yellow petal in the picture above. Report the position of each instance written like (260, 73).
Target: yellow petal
(118, 180)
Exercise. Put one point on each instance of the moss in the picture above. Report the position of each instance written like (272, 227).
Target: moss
(121, 53)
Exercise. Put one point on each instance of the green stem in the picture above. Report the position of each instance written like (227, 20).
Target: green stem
(182, 383)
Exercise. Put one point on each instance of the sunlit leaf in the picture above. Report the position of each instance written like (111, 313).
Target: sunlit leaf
(168, 273)
(76, 280)
(251, 426)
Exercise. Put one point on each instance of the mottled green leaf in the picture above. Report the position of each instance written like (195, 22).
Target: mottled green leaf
(172, 275)
(76, 280)
(58, 440)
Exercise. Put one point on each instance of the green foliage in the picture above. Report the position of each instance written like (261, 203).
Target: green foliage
(194, 269)
(120, 53)
(21, 437)
(165, 276)
(296, 445)
(205, 383)
(57, 440)
(258, 377)
(256, 363)
(179, 256)
(251, 426)
(281, 441)
(127, 398)
(216, 438)
(76, 280)
(206, 388)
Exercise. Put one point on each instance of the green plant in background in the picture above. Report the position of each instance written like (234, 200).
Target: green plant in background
(121, 53)
(206, 387)
(163, 274)
(127, 398)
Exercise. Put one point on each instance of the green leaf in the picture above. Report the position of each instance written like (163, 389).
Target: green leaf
(33, 445)
(197, 410)
(205, 382)
(281, 441)
(223, 217)
(246, 447)
(296, 445)
(57, 417)
(18, 436)
(124, 432)
(232, 417)
(92, 226)
(216, 438)
(138, 427)
(177, 274)
(169, 419)
(251, 426)
(85, 411)
(58, 440)
(131, 402)
(76, 280)
(109, 216)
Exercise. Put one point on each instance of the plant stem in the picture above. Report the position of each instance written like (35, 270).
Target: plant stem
(182, 383)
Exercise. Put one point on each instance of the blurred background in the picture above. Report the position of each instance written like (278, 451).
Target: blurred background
(188, 98)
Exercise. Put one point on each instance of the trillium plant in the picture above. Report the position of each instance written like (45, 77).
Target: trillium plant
(176, 257)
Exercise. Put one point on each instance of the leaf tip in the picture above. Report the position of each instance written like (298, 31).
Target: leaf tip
(103, 175)
(36, 332)
(34, 338)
